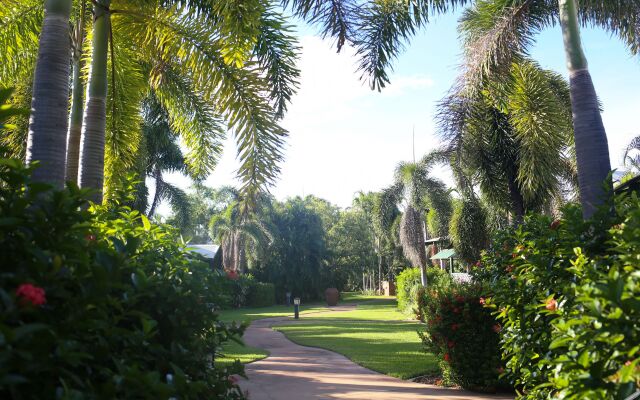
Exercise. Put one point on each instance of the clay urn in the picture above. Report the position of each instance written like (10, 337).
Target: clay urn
(332, 296)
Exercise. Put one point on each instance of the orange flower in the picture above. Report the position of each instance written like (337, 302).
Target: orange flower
(551, 304)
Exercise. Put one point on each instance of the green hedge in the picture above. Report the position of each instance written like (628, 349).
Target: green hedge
(246, 291)
(566, 293)
(262, 295)
(101, 303)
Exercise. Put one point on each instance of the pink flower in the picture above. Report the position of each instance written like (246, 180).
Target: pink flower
(551, 305)
(232, 274)
(482, 300)
(30, 294)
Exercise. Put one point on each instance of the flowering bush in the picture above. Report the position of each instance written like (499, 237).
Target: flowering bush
(565, 292)
(464, 334)
(101, 303)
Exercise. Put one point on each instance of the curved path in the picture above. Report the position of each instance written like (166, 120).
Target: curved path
(294, 372)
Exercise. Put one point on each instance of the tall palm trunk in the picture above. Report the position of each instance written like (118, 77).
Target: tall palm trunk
(47, 138)
(592, 150)
(75, 119)
(95, 112)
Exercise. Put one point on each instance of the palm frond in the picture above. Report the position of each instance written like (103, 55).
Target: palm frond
(496, 33)
(277, 52)
(20, 24)
(240, 94)
(335, 17)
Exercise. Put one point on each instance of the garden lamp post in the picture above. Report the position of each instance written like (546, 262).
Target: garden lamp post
(296, 307)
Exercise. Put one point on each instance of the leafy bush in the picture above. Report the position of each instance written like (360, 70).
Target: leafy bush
(464, 334)
(245, 291)
(565, 292)
(409, 290)
(262, 295)
(100, 303)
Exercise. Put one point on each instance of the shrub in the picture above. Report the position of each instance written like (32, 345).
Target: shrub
(464, 334)
(409, 290)
(262, 295)
(101, 303)
(563, 291)
(245, 291)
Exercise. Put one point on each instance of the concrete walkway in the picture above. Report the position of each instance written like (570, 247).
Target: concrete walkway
(294, 372)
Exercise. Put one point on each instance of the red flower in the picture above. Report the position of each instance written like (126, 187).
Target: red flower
(30, 294)
(482, 300)
(232, 274)
(555, 225)
(500, 370)
(551, 304)
(456, 310)
(451, 344)
(90, 237)
(447, 358)
(454, 327)
(496, 328)
(478, 263)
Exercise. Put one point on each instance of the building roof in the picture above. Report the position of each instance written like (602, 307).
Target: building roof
(445, 254)
(205, 250)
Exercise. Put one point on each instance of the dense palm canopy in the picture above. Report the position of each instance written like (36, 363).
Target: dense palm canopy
(213, 66)
(511, 137)
(240, 235)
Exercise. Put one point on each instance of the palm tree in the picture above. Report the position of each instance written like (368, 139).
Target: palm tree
(632, 161)
(198, 57)
(77, 94)
(511, 137)
(419, 193)
(495, 33)
(46, 142)
(236, 232)
(160, 154)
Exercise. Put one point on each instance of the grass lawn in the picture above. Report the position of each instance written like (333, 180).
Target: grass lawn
(374, 336)
(233, 351)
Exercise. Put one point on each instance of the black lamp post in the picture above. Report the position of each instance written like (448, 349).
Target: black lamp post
(296, 307)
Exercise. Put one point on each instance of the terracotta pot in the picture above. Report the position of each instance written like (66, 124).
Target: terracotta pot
(332, 296)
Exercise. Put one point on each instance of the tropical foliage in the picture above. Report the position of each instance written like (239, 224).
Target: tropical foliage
(100, 302)
(210, 67)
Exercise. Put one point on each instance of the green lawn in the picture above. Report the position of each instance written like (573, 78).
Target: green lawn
(233, 351)
(374, 335)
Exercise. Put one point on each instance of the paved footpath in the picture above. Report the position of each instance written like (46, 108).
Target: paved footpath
(294, 372)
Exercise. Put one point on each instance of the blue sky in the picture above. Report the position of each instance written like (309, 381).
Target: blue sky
(345, 138)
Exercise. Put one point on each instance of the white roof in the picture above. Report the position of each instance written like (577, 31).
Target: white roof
(206, 250)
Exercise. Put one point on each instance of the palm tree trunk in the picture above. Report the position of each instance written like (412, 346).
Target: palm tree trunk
(592, 150)
(517, 201)
(95, 113)
(47, 138)
(156, 195)
(75, 119)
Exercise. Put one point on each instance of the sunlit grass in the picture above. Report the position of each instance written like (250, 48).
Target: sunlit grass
(375, 334)
(389, 347)
(245, 354)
